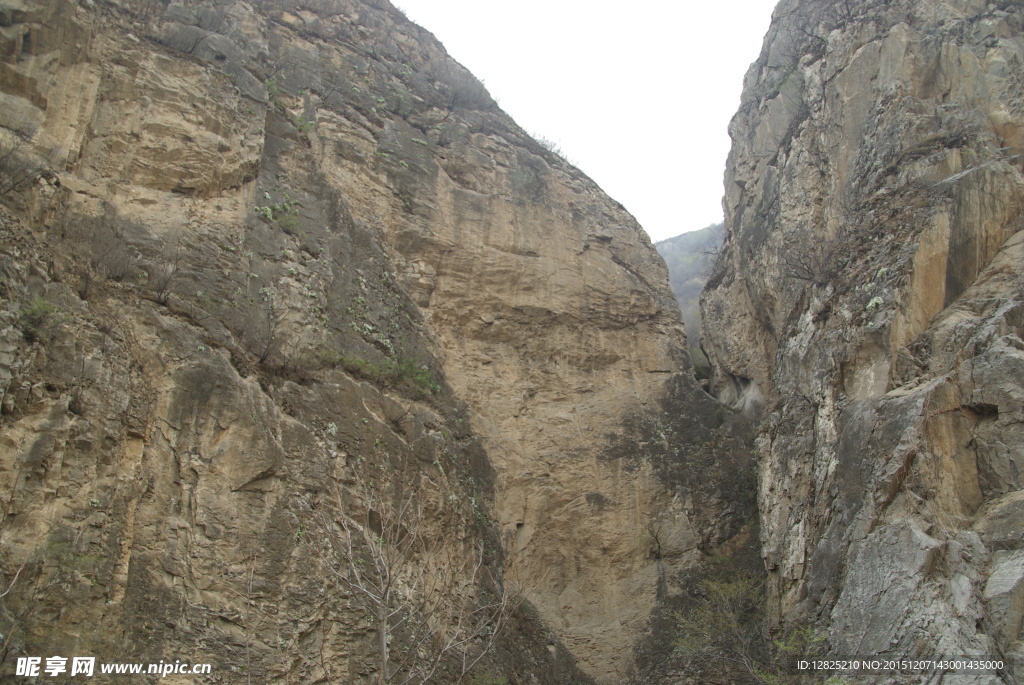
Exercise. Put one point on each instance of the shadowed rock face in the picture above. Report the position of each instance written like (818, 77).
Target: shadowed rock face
(284, 246)
(871, 293)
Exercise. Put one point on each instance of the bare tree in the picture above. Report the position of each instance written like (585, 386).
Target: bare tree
(423, 594)
(18, 167)
(261, 324)
(95, 247)
(164, 273)
(112, 256)
(722, 632)
(711, 248)
(813, 263)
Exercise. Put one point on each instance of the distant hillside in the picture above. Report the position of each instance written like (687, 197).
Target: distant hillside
(687, 257)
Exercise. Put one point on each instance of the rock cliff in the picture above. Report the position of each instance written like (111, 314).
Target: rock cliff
(868, 310)
(280, 263)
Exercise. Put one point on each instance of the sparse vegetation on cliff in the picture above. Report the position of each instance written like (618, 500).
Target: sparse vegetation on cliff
(37, 320)
(18, 165)
(722, 633)
(435, 608)
(867, 270)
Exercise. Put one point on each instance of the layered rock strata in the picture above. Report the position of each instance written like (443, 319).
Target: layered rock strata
(277, 250)
(868, 309)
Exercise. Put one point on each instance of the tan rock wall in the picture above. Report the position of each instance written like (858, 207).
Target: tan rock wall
(872, 269)
(293, 242)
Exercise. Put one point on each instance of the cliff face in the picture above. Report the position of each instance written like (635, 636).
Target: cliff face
(281, 256)
(869, 309)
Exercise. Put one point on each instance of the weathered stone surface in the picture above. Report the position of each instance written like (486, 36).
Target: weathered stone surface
(870, 292)
(1004, 592)
(291, 241)
(1002, 524)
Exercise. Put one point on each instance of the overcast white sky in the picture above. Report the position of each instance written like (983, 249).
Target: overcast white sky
(638, 94)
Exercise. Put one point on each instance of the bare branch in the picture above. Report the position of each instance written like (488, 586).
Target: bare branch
(164, 273)
(812, 263)
(13, 580)
(421, 593)
(18, 167)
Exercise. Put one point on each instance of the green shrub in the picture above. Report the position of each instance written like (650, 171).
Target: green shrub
(722, 633)
(289, 223)
(418, 375)
(392, 372)
(37, 320)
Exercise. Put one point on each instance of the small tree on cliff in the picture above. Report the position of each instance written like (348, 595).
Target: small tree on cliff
(17, 165)
(433, 606)
(722, 634)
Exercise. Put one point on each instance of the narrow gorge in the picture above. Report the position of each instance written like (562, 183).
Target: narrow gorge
(317, 368)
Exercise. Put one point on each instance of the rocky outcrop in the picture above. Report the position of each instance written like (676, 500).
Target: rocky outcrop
(868, 309)
(282, 252)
